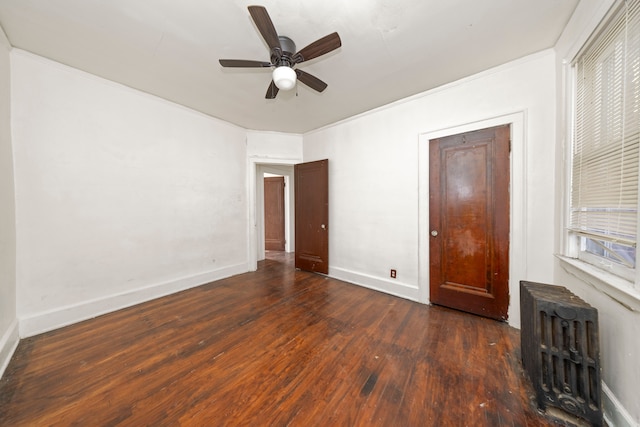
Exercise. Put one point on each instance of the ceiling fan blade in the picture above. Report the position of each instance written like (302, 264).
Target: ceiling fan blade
(243, 63)
(310, 80)
(318, 48)
(272, 91)
(265, 26)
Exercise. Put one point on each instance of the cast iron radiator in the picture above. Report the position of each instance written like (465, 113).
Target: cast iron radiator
(560, 350)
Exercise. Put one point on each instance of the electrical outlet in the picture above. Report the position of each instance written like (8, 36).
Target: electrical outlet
(393, 273)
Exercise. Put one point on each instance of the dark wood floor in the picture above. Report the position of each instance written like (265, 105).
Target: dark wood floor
(274, 347)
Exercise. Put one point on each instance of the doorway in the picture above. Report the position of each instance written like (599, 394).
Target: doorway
(258, 171)
(257, 235)
(519, 241)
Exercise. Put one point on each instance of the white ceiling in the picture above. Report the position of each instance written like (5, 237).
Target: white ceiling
(391, 49)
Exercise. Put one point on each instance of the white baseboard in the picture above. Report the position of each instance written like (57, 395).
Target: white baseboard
(393, 287)
(614, 413)
(8, 344)
(64, 316)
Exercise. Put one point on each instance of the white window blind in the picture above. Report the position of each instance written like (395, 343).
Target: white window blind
(604, 187)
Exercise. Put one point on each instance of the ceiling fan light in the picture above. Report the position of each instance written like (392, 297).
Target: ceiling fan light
(284, 77)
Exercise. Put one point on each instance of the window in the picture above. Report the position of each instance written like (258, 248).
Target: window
(606, 145)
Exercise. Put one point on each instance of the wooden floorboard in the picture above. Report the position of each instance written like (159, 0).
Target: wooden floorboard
(273, 347)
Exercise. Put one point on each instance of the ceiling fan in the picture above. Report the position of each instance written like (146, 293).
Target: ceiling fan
(283, 58)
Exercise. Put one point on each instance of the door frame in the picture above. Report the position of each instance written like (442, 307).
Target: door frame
(255, 196)
(517, 197)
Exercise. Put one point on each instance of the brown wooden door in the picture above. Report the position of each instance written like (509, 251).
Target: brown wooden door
(312, 216)
(469, 221)
(274, 213)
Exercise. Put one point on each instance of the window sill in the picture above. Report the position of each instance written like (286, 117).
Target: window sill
(614, 287)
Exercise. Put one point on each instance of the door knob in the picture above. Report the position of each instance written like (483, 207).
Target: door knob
(324, 227)
(434, 233)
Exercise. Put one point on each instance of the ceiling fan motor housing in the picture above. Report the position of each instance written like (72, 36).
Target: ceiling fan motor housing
(287, 45)
(284, 55)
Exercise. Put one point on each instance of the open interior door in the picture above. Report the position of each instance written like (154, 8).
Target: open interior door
(312, 216)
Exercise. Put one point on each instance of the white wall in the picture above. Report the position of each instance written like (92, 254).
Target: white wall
(121, 196)
(8, 320)
(375, 176)
(619, 323)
